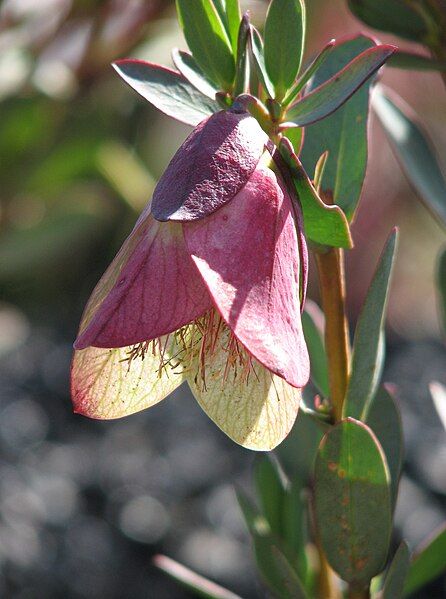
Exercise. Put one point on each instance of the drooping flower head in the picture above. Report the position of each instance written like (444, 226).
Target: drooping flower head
(207, 288)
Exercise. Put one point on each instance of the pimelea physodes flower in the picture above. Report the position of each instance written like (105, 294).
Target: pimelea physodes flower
(207, 288)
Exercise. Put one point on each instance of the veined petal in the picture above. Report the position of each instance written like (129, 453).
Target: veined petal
(210, 168)
(246, 401)
(110, 383)
(150, 289)
(248, 256)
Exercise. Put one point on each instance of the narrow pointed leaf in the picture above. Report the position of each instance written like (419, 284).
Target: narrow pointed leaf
(308, 73)
(241, 84)
(394, 16)
(190, 580)
(324, 224)
(257, 51)
(270, 491)
(354, 518)
(234, 18)
(397, 574)
(343, 134)
(327, 98)
(441, 285)
(428, 562)
(290, 579)
(208, 40)
(188, 67)
(266, 549)
(414, 152)
(384, 419)
(167, 90)
(318, 357)
(415, 62)
(295, 528)
(367, 358)
(284, 43)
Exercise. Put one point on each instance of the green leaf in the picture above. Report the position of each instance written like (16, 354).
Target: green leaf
(167, 90)
(397, 573)
(352, 501)
(188, 67)
(394, 16)
(324, 224)
(284, 43)
(270, 486)
(289, 577)
(234, 18)
(308, 73)
(367, 357)
(241, 84)
(295, 527)
(428, 562)
(384, 419)
(343, 134)
(441, 285)
(415, 62)
(256, 45)
(208, 40)
(190, 580)
(329, 96)
(316, 349)
(414, 152)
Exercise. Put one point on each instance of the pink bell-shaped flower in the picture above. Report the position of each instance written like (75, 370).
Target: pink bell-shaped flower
(207, 288)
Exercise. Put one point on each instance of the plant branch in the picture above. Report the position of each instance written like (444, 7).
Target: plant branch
(330, 266)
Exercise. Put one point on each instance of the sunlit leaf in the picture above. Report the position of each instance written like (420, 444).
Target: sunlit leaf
(208, 40)
(189, 68)
(257, 51)
(167, 90)
(329, 96)
(284, 43)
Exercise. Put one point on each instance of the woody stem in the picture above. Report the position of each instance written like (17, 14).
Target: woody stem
(330, 266)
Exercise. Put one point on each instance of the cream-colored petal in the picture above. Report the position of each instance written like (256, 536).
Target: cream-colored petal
(106, 385)
(254, 407)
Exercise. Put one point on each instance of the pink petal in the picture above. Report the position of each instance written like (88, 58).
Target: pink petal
(248, 256)
(150, 289)
(210, 168)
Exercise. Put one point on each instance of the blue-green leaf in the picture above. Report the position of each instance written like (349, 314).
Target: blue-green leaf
(316, 349)
(384, 419)
(167, 90)
(394, 16)
(190, 580)
(257, 52)
(188, 67)
(329, 96)
(284, 43)
(367, 358)
(441, 286)
(270, 486)
(414, 152)
(208, 40)
(415, 62)
(343, 134)
(354, 517)
(428, 562)
(397, 574)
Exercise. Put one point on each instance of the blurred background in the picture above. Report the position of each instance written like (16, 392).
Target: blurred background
(83, 504)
